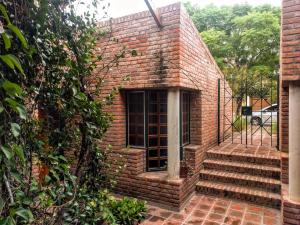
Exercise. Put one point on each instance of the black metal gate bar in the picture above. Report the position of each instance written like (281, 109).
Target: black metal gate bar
(235, 122)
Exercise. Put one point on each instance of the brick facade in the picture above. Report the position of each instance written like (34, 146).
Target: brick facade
(174, 56)
(290, 59)
(290, 72)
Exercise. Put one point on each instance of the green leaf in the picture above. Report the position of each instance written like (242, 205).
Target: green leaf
(2, 203)
(22, 112)
(25, 214)
(12, 89)
(15, 129)
(4, 13)
(16, 62)
(19, 34)
(1, 109)
(7, 221)
(7, 151)
(7, 61)
(7, 42)
(19, 152)
(16, 176)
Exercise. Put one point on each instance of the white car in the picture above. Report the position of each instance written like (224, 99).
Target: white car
(265, 116)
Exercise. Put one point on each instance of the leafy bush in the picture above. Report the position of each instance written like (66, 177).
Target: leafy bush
(128, 211)
(47, 112)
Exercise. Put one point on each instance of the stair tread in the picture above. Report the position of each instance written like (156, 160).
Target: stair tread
(240, 176)
(239, 189)
(244, 154)
(243, 165)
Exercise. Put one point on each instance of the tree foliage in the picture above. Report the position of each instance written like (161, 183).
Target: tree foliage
(47, 113)
(244, 41)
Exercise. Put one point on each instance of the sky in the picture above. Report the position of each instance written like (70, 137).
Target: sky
(119, 8)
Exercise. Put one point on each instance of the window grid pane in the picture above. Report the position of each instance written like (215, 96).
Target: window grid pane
(157, 130)
(185, 118)
(136, 115)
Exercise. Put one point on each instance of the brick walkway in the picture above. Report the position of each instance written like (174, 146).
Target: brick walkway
(255, 137)
(206, 210)
(254, 150)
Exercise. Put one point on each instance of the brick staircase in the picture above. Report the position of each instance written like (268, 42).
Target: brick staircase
(242, 176)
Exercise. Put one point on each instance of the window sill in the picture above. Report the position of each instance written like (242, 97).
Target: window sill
(159, 176)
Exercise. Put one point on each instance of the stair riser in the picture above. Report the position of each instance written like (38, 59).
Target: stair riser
(242, 170)
(247, 183)
(246, 159)
(274, 203)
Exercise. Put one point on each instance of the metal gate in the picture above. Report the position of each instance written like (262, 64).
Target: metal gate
(248, 110)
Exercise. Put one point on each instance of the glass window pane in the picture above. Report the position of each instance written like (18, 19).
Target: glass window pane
(163, 108)
(163, 152)
(153, 141)
(136, 118)
(163, 130)
(153, 130)
(153, 163)
(163, 141)
(152, 108)
(153, 153)
(153, 119)
(185, 117)
(163, 119)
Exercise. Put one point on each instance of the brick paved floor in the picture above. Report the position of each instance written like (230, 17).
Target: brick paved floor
(207, 210)
(256, 150)
(256, 136)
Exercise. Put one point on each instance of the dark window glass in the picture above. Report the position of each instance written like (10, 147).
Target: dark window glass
(163, 152)
(136, 115)
(152, 130)
(153, 119)
(163, 130)
(185, 117)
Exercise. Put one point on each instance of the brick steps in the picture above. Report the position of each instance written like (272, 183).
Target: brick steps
(241, 176)
(241, 193)
(243, 167)
(244, 157)
(269, 184)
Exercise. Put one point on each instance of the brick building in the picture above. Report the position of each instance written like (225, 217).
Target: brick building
(289, 110)
(166, 116)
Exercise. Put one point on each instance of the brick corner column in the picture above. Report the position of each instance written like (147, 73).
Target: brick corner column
(291, 200)
(173, 133)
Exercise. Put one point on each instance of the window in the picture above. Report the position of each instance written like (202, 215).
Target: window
(157, 130)
(136, 119)
(147, 126)
(185, 118)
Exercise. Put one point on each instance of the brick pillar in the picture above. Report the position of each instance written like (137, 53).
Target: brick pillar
(294, 142)
(173, 133)
(290, 109)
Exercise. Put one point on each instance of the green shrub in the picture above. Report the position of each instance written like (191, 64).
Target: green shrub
(128, 211)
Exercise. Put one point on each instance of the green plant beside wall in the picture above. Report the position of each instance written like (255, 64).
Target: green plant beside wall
(47, 112)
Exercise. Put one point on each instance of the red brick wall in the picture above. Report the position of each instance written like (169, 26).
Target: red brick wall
(155, 65)
(155, 186)
(174, 56)
(198, 70)
(290, 40)
(290, 72)
(290, 60)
